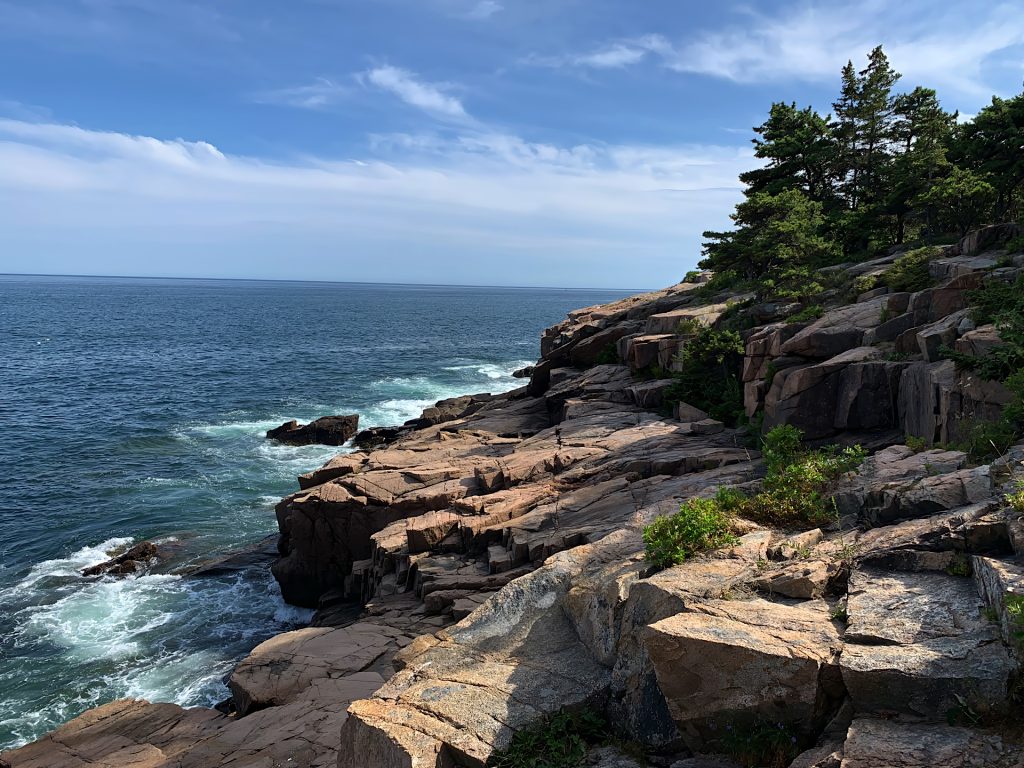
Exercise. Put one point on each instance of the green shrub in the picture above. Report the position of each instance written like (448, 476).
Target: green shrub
(699, 525)
(691, 276)
(910, 271)
(796, 493)
(864, 283)
(960, 566)
(561, 741)
(916, 444)
(761, 744)
(1015, 612)
(798, 483)
(813, 312)
(1015, 244)
(1016, 499)
(608, 356)
(708, 372)
(989, 440)
(1002, 304)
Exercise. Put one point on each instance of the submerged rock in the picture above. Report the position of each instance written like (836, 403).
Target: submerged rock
(139, 557)
(327, 430)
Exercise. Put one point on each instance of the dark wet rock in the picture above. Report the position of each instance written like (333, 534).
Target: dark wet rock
(327, 430)
(258, 555)
(138, 558)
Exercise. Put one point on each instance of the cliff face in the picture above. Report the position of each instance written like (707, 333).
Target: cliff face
(519, 517)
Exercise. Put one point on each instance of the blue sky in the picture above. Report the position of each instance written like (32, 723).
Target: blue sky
(509, 142)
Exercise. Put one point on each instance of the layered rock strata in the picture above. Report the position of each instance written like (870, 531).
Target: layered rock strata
(482, 568)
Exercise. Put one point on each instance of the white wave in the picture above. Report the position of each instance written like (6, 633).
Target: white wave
(492, 371)
(64, 567)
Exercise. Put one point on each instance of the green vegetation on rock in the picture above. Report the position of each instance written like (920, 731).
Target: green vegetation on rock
(707, 372)
(761, 744)
(559, 741)
(884, 170)
(699, 525)
(910, 271)
(796, 493)
(1001, 304)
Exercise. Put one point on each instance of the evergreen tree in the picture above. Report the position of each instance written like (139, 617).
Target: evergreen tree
(778, 241)
(864, 128)
(963, 200)
(922, 131)
(798, 145)
(885, 168)
(993, 144)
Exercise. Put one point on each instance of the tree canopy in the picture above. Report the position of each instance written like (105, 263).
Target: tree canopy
(884, 169)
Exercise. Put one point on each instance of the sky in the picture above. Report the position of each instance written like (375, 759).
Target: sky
(582, 143)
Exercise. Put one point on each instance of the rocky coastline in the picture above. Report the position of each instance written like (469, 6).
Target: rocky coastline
(481, 569)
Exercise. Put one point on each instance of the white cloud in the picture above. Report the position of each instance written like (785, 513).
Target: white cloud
(949, 45)
(320, 93)
(430, 97)
(479, 207)
(942, 46)
(615, 55)
(484, 9)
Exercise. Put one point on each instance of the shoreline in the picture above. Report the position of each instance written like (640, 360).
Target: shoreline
(498, 553)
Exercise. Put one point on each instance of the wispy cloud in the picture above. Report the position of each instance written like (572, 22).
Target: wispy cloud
(407, 86)
(614, 55)
(587, 203)
(944, 46)
(484, 9)
(320, 93)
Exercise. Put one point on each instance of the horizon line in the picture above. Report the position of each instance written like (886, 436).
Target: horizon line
(323, 282)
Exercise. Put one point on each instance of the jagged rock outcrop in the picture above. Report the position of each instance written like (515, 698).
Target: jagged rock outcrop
(135, 559)
(482, 568)
(327, 430)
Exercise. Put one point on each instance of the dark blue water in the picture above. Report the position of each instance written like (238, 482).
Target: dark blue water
(134, 409)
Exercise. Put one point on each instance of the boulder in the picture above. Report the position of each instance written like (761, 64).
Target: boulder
(853, 390)
(872, 743)
(281, 668)
(737, 662)
(327, 430)
(979, 342)
(802, 580)
(838, 330)
(989, 237)
(919, 644)
(138, 558)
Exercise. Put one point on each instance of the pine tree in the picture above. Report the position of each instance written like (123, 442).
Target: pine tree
(799, 148)
(993, 144)
(864, 130)
(922, 131)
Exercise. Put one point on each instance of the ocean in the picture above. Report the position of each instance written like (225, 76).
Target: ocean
(136, 409)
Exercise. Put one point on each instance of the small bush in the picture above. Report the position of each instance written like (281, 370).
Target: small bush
(960, 566)
(910, 271)
(708, 376)
(1015, 244)
(761, 744)
(699, 525)
(864, 283)
(561, 741)
(692, 276)
(608, 356)
(1015, 612)
(798, 484)
(989, 440)
(813, 312)
(916, 444)
(796, 493)
(1016, 499)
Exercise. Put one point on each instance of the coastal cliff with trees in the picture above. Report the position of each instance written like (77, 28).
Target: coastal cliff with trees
(772, 515)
